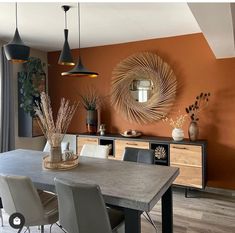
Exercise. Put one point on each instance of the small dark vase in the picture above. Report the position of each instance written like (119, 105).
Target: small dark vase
(193, 131)
(91, 121)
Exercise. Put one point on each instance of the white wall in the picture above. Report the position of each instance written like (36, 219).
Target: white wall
(35, 143)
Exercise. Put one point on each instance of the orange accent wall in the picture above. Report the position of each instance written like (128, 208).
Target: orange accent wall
(196, 69)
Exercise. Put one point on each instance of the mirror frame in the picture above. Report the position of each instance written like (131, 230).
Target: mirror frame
(164, 82)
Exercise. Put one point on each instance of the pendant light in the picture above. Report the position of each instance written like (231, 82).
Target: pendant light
(65, 55)
(16, 51)
(79, 70)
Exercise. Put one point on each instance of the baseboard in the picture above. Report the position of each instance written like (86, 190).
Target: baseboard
(226, 192)
(219, 191)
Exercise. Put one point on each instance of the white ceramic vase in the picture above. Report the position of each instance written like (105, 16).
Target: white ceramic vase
(177, 134)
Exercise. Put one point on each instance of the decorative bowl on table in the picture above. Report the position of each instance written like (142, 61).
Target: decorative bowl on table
(131, 133)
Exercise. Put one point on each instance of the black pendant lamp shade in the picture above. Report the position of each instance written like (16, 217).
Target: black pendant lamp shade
(16, 51)
(65, 55)
(79, 70)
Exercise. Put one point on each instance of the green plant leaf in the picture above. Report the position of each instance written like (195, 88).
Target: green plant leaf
(29, 80)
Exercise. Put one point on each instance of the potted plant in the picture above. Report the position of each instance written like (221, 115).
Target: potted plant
(193, 111)
(31, 82)
(91, 101)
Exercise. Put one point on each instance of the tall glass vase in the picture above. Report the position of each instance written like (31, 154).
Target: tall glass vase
(55, 151)
(92, 121)
(55, 154)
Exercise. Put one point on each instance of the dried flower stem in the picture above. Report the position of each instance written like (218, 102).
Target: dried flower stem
(200, 104)
(178, 122)
(54, 132)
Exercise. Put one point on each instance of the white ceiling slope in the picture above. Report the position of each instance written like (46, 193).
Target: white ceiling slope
(216, 23)
(41, 24)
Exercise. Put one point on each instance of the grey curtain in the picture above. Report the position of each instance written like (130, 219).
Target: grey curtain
(7, 125)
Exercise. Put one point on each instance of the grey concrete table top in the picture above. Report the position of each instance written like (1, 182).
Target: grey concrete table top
(125, 184)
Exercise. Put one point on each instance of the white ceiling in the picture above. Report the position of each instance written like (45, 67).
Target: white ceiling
(216, 22)
(41, 24)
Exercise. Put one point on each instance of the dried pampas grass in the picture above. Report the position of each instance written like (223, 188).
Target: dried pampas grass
(54, 131)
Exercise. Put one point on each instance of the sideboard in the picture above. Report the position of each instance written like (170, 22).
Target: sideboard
(189, 156)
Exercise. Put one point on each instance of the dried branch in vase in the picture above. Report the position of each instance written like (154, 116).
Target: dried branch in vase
(54, 131)
(178, 122)
(91, 100)
(200, 104)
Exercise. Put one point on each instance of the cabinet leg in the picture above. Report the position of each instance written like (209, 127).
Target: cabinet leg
(186, 192)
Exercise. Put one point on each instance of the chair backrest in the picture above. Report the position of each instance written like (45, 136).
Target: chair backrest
(139, 155)
(81, 208)
(68, 138)
(19, 195)
(96, 151)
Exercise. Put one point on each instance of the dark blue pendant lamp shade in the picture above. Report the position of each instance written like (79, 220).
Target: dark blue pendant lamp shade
(65, 55)
(16, 51)
(79, 70)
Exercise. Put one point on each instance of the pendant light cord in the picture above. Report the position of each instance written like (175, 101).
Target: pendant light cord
(16, 15)
(79, 26)
(65, 19)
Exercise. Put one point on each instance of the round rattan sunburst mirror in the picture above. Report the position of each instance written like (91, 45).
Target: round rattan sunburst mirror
(143, 88)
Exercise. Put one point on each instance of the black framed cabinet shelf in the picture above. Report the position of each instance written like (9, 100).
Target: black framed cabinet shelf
(189, 156)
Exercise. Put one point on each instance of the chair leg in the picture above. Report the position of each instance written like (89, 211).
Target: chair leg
(150, 220)
(51, 227)
(60, 227)
(1, 216)
(27, 229)
(42, 228)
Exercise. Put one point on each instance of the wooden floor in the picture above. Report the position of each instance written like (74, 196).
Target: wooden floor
(202, 213)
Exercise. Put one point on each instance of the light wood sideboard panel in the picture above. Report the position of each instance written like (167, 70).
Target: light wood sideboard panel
(189, 159)
(120, 146)
(186, 155)
(189, 176)
(85, 140)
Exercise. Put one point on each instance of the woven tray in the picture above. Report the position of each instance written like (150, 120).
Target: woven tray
(63, 165)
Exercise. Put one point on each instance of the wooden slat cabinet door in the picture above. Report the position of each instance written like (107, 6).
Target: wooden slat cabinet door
(85, 140)
(121, 144)
(189, 159)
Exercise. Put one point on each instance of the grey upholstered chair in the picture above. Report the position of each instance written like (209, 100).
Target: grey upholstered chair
(82, 209)
(19, 195)
(95, 151)
(141, 156)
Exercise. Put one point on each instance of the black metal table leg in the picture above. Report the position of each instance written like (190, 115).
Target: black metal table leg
(167, 212)
(132, 221)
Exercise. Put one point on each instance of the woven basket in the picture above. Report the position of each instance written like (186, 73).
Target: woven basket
(62, 165)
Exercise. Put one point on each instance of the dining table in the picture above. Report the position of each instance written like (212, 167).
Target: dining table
(133, 187)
